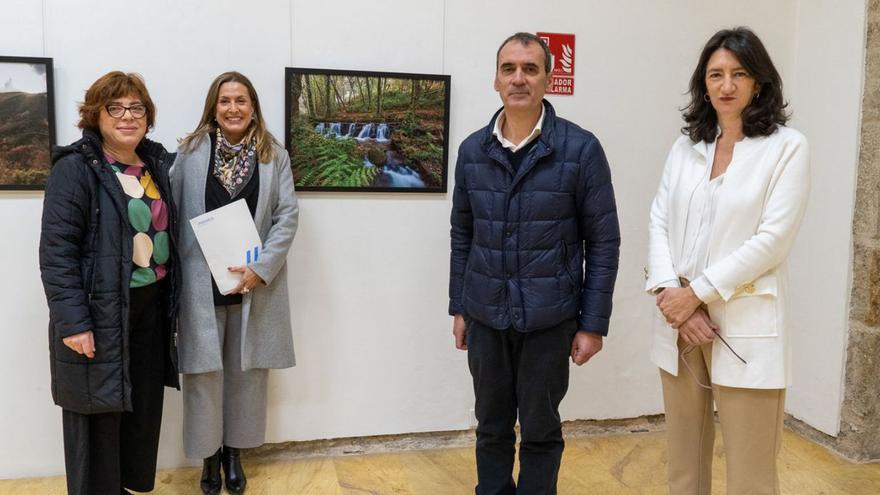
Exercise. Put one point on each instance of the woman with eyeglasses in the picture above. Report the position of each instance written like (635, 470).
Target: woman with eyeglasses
(730, 202)
(109, 272)
(228, 342)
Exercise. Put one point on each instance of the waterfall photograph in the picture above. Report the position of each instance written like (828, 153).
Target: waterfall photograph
(367, 131)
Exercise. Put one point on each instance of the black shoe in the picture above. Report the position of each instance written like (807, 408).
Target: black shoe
(210, 483)
(235, 478)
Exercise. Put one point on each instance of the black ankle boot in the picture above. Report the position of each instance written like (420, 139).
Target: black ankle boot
(235, 478)
(210, 483)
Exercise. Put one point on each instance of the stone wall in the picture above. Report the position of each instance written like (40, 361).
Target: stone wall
(860, 417)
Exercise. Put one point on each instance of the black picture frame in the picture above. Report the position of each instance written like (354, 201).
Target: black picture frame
(408, 141)
(27, 123)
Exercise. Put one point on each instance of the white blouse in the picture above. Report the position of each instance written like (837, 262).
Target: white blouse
(701, 214)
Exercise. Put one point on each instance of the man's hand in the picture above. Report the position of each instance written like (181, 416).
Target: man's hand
(82, 343)
(677, 305)
(584, 346)
(249, 279)
(459, 331)
(698, 329)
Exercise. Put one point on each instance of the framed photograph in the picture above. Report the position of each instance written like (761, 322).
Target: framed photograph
(367, 131)
(27, 122)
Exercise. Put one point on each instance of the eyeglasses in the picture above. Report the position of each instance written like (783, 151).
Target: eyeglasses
(690, 347)
(137, 110)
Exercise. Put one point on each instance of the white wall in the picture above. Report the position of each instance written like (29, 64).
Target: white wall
(826, 97)
(369, 272)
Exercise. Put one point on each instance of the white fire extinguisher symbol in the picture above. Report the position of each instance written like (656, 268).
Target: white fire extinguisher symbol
(567, 62)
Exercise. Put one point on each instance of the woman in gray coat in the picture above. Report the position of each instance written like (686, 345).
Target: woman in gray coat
(227, 343)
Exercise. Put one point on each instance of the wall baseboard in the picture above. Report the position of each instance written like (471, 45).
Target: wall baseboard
(465, 439)
(438, 440)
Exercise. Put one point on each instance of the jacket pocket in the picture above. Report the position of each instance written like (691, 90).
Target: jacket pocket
(71, 387)
(465, 276)
(751, 312)
(566, 271)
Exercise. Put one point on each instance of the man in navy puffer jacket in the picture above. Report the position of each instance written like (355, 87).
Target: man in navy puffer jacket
(535, 247)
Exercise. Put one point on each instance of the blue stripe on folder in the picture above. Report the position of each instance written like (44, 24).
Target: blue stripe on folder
(256, 254)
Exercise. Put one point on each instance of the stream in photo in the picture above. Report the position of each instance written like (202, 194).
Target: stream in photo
(394, 172)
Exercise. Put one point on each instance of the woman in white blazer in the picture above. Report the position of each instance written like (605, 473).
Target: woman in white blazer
(227, 343)
(730, 202)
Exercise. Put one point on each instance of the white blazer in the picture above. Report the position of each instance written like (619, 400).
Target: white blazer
(760, 208)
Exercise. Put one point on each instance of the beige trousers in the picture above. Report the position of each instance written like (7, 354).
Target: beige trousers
(751, 425)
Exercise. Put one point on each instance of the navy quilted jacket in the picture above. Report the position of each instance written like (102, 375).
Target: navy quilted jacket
(520, 239)
(85, 265)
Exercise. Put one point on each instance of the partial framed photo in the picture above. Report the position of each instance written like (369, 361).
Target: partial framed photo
(27, 122)
(367, 131)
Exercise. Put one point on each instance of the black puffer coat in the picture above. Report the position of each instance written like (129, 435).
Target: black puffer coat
(521, 239)
(86, 263)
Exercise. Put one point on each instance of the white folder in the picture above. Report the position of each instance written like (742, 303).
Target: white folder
(228, 237)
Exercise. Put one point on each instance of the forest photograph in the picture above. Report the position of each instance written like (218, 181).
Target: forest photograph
(26, 122)
(367, 131)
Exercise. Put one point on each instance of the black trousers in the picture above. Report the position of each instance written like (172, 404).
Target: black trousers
(525, 373)
(105, 452)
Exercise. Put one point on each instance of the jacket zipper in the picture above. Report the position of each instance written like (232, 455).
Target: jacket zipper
(94, 240)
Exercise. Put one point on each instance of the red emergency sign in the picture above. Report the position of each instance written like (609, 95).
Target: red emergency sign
(562, 62)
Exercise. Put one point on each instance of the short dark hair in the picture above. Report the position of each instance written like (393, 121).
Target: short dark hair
(525, 39)
(765, 112)
(116, 84)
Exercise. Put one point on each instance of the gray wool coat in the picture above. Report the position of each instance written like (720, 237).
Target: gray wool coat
(267, 340)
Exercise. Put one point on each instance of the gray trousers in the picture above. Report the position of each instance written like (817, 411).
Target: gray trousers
(226, 407)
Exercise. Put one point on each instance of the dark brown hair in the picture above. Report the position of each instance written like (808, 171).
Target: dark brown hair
(765, 112)
(208, 123)
(116, 84)
(525, 39)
